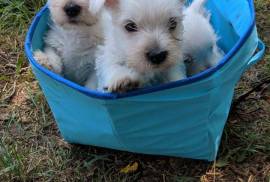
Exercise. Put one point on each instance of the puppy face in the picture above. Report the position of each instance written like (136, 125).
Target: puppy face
(147, 33)
(200, 42)
(204, 52)
(71, 13)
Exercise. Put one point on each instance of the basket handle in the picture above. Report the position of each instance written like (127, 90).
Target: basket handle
(258, 55)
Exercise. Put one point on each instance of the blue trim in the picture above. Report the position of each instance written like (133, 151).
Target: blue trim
(109, 96)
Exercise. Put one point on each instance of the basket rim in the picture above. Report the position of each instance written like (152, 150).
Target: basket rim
(147, 90)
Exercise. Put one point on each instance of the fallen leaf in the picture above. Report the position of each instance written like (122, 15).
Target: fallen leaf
(130, 168)
(222, 163)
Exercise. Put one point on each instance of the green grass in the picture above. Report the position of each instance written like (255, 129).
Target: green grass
(31, 148)
(15, 15)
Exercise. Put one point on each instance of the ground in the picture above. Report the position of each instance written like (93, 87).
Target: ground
(31, 148)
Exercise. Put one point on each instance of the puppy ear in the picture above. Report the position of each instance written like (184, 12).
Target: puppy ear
(112, 3)
(96, 6)
(182, 1)
(199, 7)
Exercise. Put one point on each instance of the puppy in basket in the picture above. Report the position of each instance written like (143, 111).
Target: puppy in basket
(71, 42)
(143, 44)
(200, 40)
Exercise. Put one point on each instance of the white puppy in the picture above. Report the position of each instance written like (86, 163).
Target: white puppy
(72, 40)
(143, 44)
(200, 40)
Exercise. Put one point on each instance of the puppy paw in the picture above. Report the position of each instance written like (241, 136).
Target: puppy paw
(46, 62)
(43, 60)
(123, 85)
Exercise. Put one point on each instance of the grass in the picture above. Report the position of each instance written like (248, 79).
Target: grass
(16, 14)
(31, 148)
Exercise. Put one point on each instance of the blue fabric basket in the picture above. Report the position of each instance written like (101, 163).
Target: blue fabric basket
(184, 118)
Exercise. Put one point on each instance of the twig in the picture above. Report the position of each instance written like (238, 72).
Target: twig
(257, 88)
(24, 69)
(3, 105)
(2, 56)
(11, 65)
(11, 94)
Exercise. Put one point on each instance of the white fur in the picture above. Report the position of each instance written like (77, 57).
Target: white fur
(200, 40)
(96, 6)
(70, 46)
(122, 64)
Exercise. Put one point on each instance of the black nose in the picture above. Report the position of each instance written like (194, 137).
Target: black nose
(72, 10)
(156, 56)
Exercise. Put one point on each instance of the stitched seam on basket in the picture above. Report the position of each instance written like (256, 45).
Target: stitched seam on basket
(115, 132)
(209, 133)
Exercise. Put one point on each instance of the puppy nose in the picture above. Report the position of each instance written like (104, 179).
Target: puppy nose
(72, 10)
(156, 56)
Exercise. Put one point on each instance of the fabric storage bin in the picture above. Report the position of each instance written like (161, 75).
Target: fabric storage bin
(184, 118)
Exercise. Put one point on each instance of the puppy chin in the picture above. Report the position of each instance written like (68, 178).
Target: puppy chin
(71, 24)
(144, 67)
(141, 67)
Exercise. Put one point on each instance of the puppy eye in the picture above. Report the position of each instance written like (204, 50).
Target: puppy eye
(172, 23)
(131, 26)
(188, 59)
